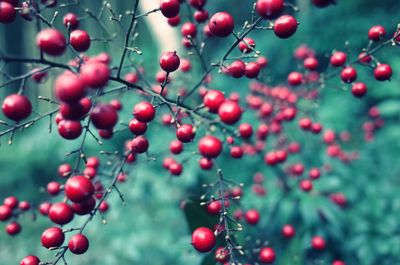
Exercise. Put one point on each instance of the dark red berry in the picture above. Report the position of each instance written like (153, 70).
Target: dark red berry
(61, 213)
(80, 40)
(221, 24)
(78, 244)
(144, 112)
(17, 107)
(203, 239)
(169, 61)
(52, 237)
(285, 26)
(104, 116)
(51, 41)
(210, 146)
(78, 188)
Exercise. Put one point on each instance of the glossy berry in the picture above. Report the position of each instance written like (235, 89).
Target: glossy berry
(16, 107)
(383, 72)
(69, 87)
(104, 116)
(79, 188)
(376, 33)
(269, 8)
(203, 239)
(318, 243)
(285, 26)
(7, 13)
(348, 74)
(314, 173)
(139, 145)
(311, 63)
(71, 20)
(252, 216)
(30, 260)
(247, 45)
(80, 40)
(205, 163)
(295, 78)
(213, 100)
(210, 146)
(252, 70)
(214, 207)
(364, 58)
(201, 15)
(221, 24)
(169, 8)
(338, 262)
(51, 41)
(169, 61)
(13, 228)
(229, 112)
(359, 89)
(338, 59)
(189, 30)
(288, 231)
(306, 185)
(84, 207)
(245, 130)
(78, 244)
(69, 129)
(237, 69)
(267, 255)
(53, 188)
(52, 237)
(61, 213)
(95, 74)
(185, 133)
(176, 147)
(144, 112)
(137, 127)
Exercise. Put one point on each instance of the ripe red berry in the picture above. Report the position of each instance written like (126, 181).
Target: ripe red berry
(267, 255)
(203, 239)
(7, 12)
(53, 188)
(78, 244)
(364, 58)
(169, 61)
(221, 24)
(252, 216)
(69, 129)
(314, 173)
(318, 243)
(269, 8)
(237, 69)
(144, 112)
(288, 231)
(214, 207)
(69, 87)
(52, 237)
(311, 63)
(285, 26)
(84, 207)
(185, 133)
(80, 40)
(247, 45)
(30, 260)
(71, 20)
(51, 41)
(174, 21)
(245, 130)
(95, 74)
(229, 112)
(252, 70)
(348, 74)
(79, 188)
(139, 145)
(295, 78)
(13, 228)
(306, 185)
(137, 127)
(201, 15)
(210, 146)
(176, 147)
(104, 116)
(169, 8)
(205, 163)
(338, 59)
(236, 151)
(61, 213)
(338, 262)
(383, 72)
(376, 33)
(189, 30)
(17, 107)
(359, 89)
(221, 255)
(197, 3)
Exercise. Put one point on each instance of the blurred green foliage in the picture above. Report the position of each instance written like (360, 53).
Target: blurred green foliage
(153, 229)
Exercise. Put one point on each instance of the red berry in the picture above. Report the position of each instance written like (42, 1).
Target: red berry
(13, 228)
(205, 163)
(203, 239)
(247, 45)
(285, 26)
(169, 8)
(269, 8)
(348, 74)
(252, 70)
(169, 61)
(221, 24)
(144, 112)
(24, 206)
(338, 59)
(306, 185)
(69, 87)
(137, 127)
(185, 133)
(210, 146)
(318, 243)
(376, 33)
(78, 244)
(338, 262)
(201, 15)
(61, 213)
(85, 207)
(311, 63)
(69, 129)
(11, 202)
(30, 260)
(267, 255)
(237, 69)
(221, 254)
(383, 72)
(7, 12)
(245, 130)
(295, 78)
(53, 188)
(314, 173)
(139, 145)
(236, 151)
(44, 208)
(288, 231)
(80, 40)
(64, 170)
(104, 116)
(79, 188)
(252, 216)
(174, 21)
(52, 237)
(51, 41)
(189, 30)
(17, 107)
(72, 20)
(214, 207)
(364, 58)
(229, 112)
(95, 74)
(197, 3)
(359, 89)
(176, 147)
